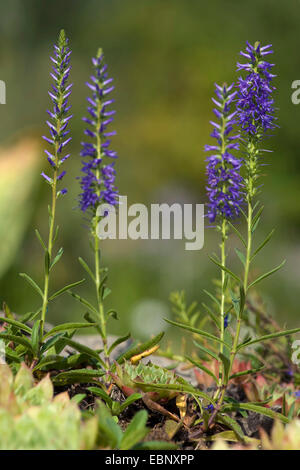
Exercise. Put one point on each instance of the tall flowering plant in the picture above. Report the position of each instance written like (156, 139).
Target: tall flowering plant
(245, 113)
(98, 179)
(58, 139)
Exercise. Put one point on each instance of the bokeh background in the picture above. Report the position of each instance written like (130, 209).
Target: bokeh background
(165, 56)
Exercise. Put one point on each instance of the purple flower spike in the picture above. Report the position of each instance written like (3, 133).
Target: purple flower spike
(224, 183)
(59, 117)
(97, 182)
(255, 104)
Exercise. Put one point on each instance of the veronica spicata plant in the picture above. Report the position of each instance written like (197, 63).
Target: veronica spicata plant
(232, 188)
(98, 181)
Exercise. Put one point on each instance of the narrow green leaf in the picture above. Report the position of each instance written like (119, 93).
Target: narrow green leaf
(226, 363)
(224, 268)
(195, 330)
(15, 323)
(85, 303)
(214, 317)
(99, 392)
(32, 283)
(67, 327)
(241, 256)
(57, 258)
(237, 232)
(232, 424)
(66, 288)
(17, 340)
(35, 336)
(256, 408)
(87, 268)
(246, 372)
(256, 219)
(47, 262)
(202, 367)
(266, 240)
(260, 278)
(106, 291)
(134, 397)
(51, 342)
(81, 348)
(270, 336)
(40, 239)
(212, 297)
(136, 431)
(118, 341)
(207, 351)
(77, 376)
(184, 388)
(140, 348)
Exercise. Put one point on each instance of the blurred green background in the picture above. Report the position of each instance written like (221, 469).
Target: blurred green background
(165, 56)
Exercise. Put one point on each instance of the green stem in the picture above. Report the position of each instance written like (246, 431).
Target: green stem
(50, 244)
(223, 287)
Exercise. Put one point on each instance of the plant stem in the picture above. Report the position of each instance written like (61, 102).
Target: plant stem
(223, 287)
(50, 243)
(98, 294)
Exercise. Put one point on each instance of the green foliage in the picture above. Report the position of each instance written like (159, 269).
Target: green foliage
(111, 435)
(31, 418)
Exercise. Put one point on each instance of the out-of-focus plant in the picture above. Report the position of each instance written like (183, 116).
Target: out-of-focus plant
(31, 418)
(111, 435)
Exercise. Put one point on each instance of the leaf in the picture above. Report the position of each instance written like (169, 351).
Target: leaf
(241, 256)
(200, 366)
(226, 363)
(195, 330)
(17, 340)
(106, 291)
(102, 394)
(134, 397)
(33, 284)
(184, 388)
(35, 337)
(136, 431)
(232, 424)
(238, 233)
(118, 341)
(246, 372)
(85, 303)
(270, 336)
(67, 327)
(77, 376)
(140, 348)
(66, 288)
(260, 278)
(112, 313)
(47, 262)
(57, 258)
(224, 268)
(207, 351)
(267, 239)
(51, 342)
(214, 318)
(256, 219)
(15, 323)
(81, 348)
(242, 300)
(87, 268)
(40, 239)
(256, 408)
(212, 297)
(110, 433)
